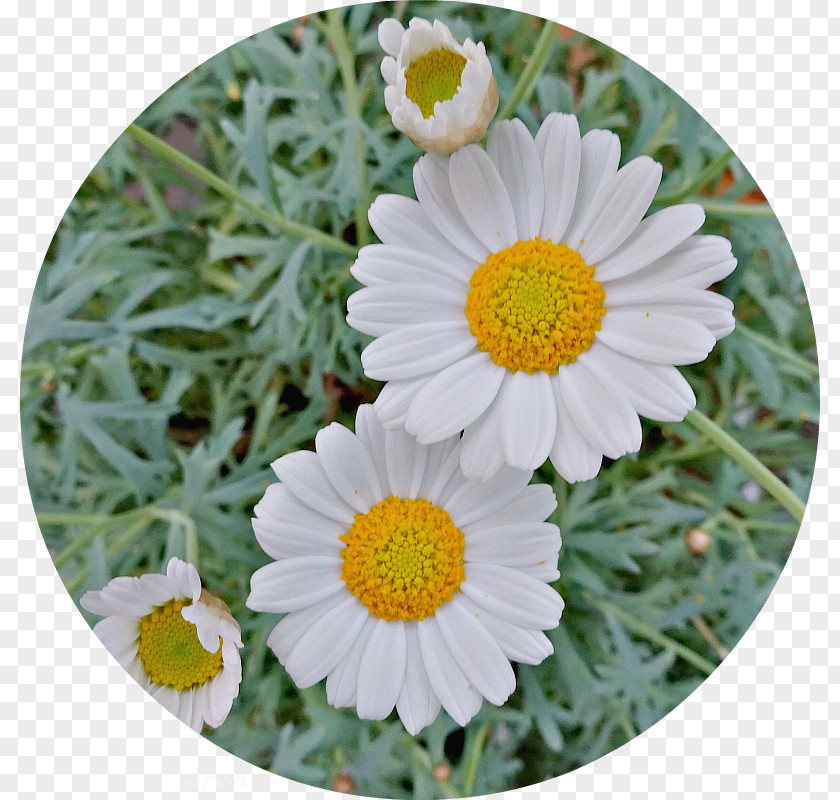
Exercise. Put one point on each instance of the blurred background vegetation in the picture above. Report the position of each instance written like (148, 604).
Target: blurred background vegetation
(186, 331)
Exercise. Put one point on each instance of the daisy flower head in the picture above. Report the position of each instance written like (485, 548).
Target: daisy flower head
(440, 93)
(523, 299)
(178, 641)
(403, 583)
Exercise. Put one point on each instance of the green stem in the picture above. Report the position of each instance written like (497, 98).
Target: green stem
(347, 66)
(661, 134)
(643, 629)
(528, 78)
(473, 759)
(725, 210)
(748, 462)
(269, 218)
(99, 525)
(709, 173)
(775, 349)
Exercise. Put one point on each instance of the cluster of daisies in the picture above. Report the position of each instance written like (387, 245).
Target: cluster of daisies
(522, 308)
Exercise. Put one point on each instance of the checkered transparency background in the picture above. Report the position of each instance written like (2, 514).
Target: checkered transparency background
(73, 724)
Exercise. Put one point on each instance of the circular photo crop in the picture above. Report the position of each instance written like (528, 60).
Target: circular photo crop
(420, 400)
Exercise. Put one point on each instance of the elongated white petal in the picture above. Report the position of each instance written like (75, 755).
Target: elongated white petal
(558, 144)
(481, 455)
(417, 705)
(453, 398)
(384, 264)
(406, 463)
(343, 681)
(417, 350)
(476, 500)
(303, 475)
(339, 449)
(514, 154)
(382, 671)
(528, 419)
(378, 310)
(482, 198)
(514, 545)
(600, 152)
(294, 583)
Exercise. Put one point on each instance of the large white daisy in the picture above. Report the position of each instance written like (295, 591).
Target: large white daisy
(523, 299)
(403, 583)
(440, 93)
(179, 642)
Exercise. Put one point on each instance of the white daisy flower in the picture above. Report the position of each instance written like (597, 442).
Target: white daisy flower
(403, 583)
(440, 93)
(178, 641)
(523, 299)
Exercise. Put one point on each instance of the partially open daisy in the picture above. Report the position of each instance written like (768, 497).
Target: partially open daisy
(440, 93)
(178, 641)
(523, 299)
(403, 583)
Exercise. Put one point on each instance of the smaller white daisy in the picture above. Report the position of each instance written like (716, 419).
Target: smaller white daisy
(403, 583)
(440, 93)
(178, 641)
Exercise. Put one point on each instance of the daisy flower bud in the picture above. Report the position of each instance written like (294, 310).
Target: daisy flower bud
(440, 93)
(178, 641)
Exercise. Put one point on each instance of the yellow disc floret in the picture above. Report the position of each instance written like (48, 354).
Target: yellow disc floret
(170, 651)
(434, 77)
(403, 559)
(534, 306)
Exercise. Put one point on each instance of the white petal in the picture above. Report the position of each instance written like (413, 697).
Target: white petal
(343, 681)
(476, 652)
(600, 152)
(295, 583)
(437, 463)
(169, 698)
(600, 410)
(377, 310)
(534, 503)
(558, 143)
(282, 540)
(476, 500)
(657, 391)
(206, 625)
(219, 699)
(287, 632)
(401, 221)
(390, 35)
(124, 596)
(513, 152)
(618, 209)
(394, 399)
(382, 671)
(655, 336)
(303, 475)
(514, 545)
(453, 398)
(513, 596)
(448, 477)
(518, 644)
(528, 419)
(326, 643)
(348, 466)
(481, 455)
(92, 601)
(572, 455)
(454, 690)
(417, 705)
(380, 264)
(185, 577)
(371, 434)
(482, 198)
(435, 194)
(417, 350)
(406, 462)
(653, 238)
(119, 636)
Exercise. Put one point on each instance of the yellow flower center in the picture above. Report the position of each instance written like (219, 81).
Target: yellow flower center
(434, 77)
(534, 306)
(403, 559)
(170, 652)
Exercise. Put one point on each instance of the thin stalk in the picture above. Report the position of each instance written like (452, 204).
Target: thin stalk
(270, 218)
(347, 66)
(473, 759)
(748, 462)
(528, 79)
(708, 634)
(643, 629)
(725, 210)
(711, 171)
(775, 349)
(661, 134)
